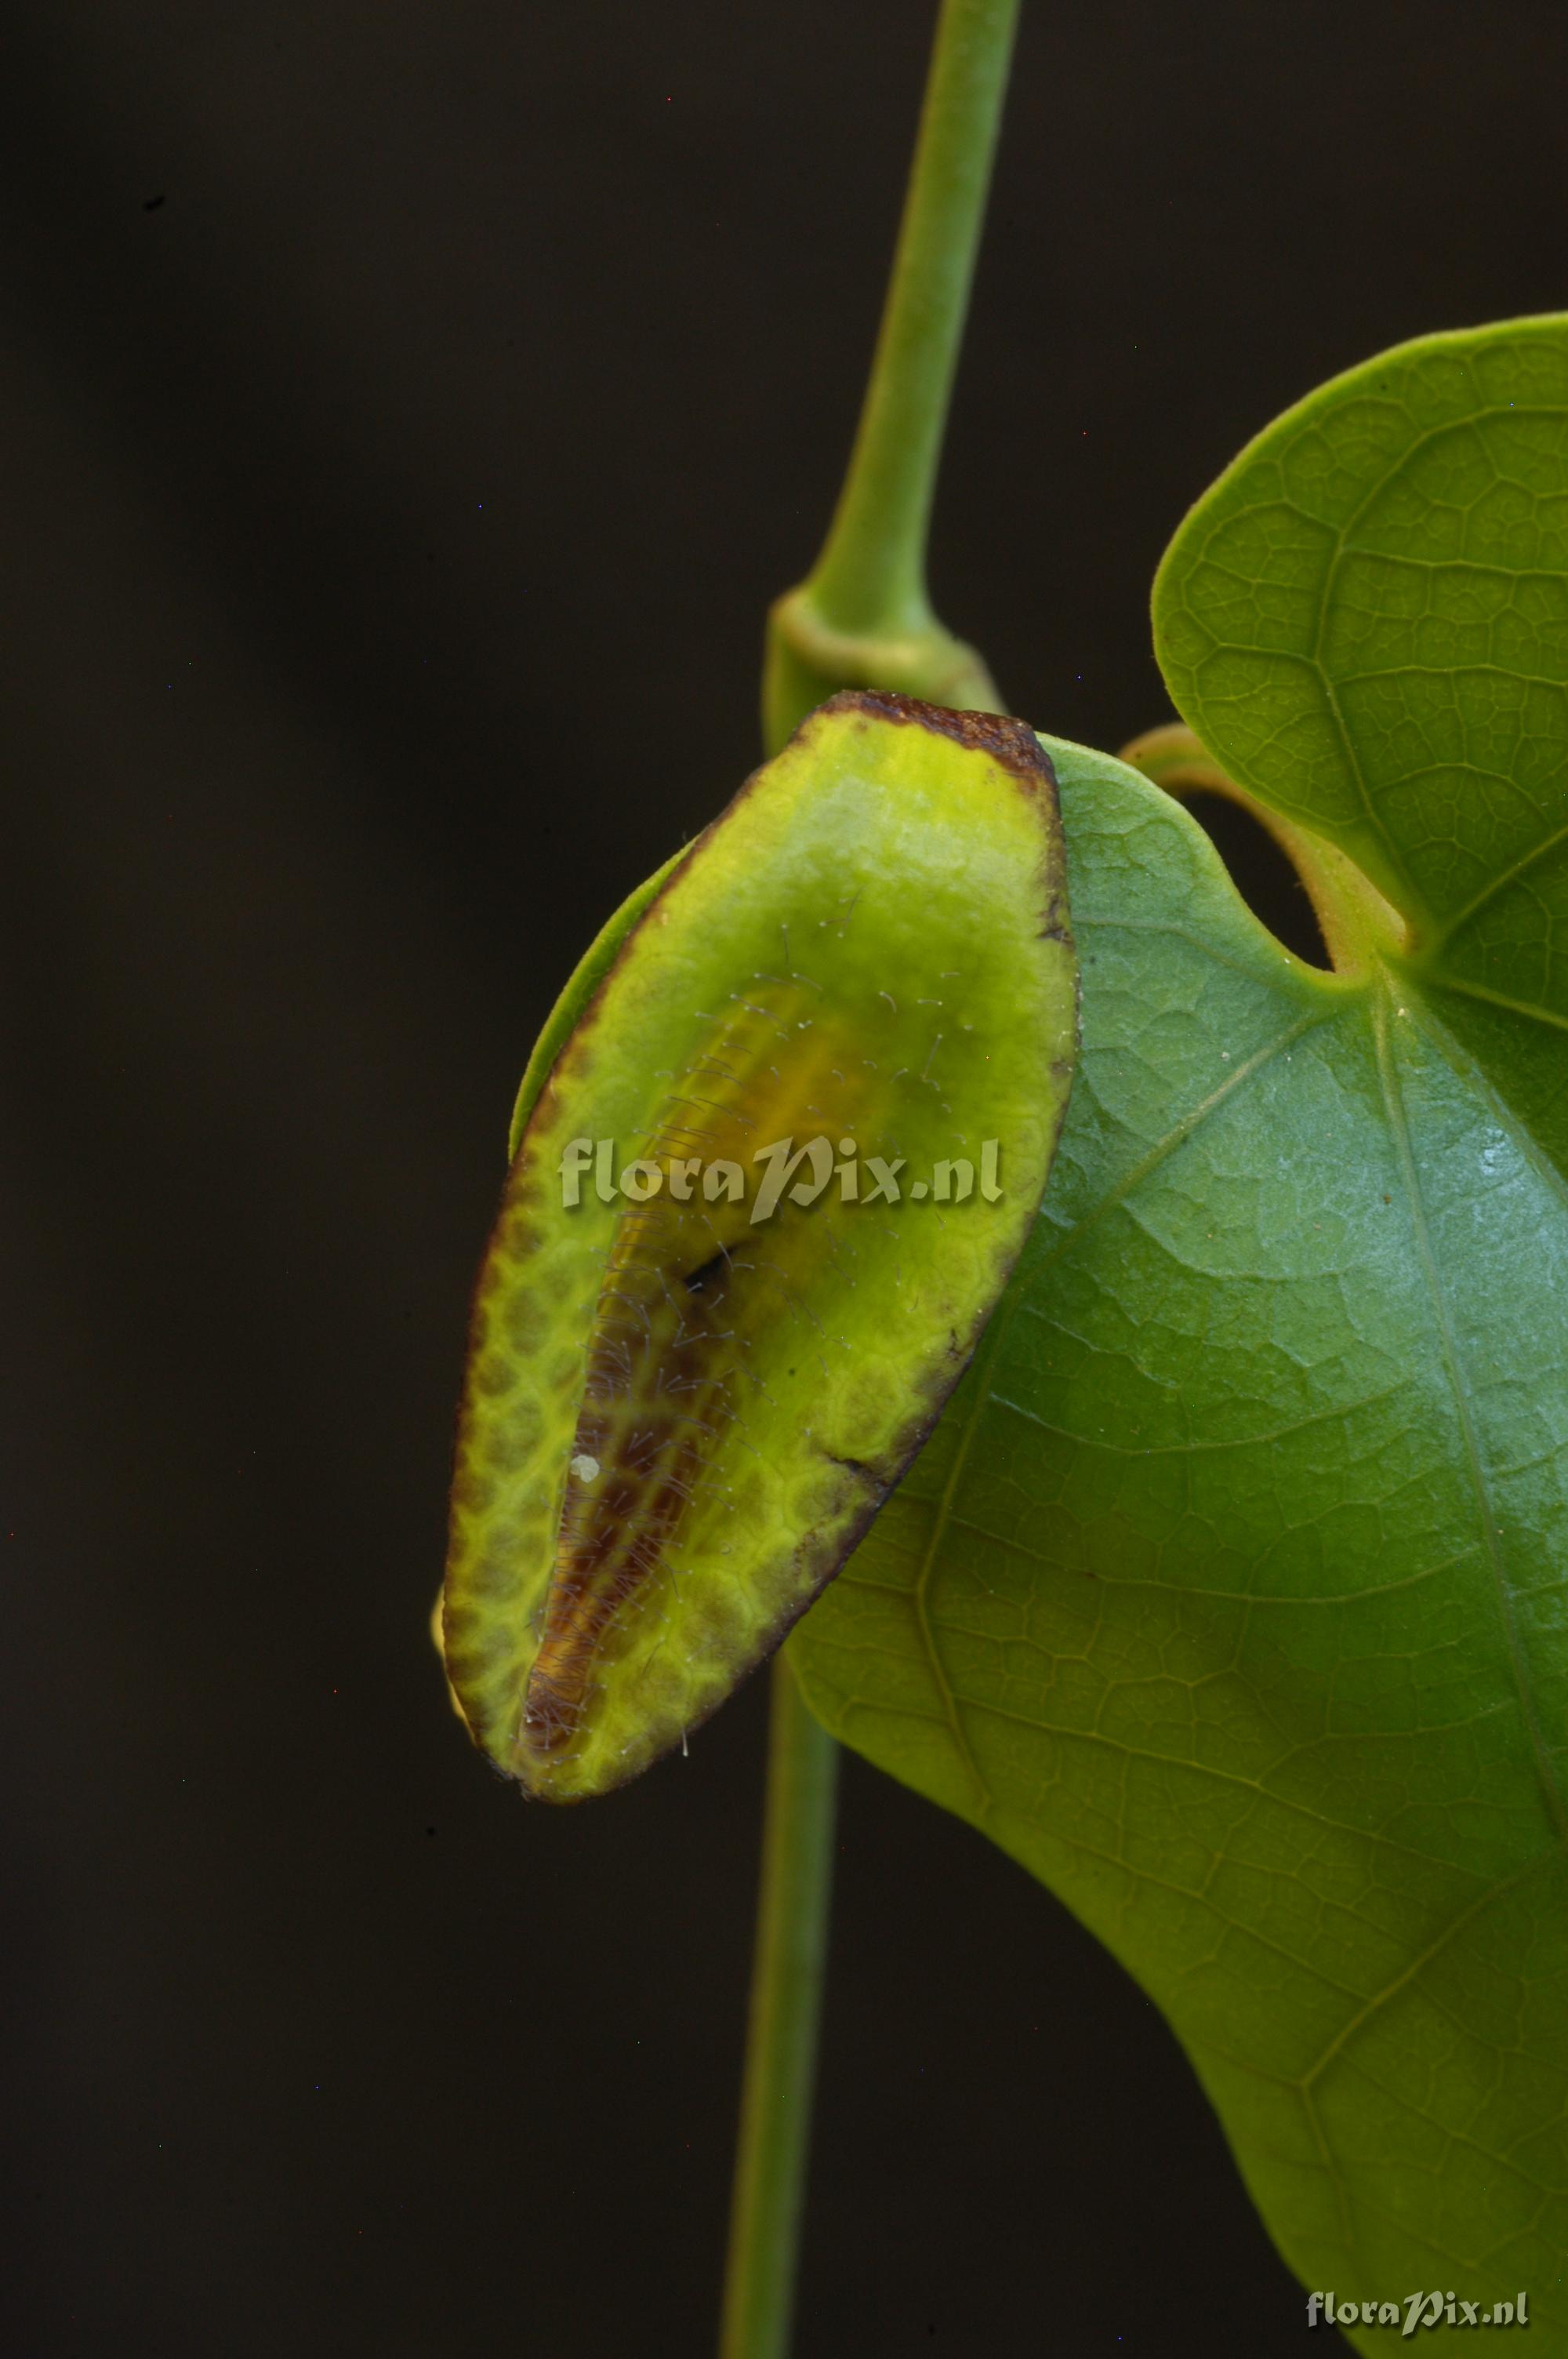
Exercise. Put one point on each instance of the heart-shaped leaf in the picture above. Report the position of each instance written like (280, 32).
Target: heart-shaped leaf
(1366, 622)
(1229, 1595)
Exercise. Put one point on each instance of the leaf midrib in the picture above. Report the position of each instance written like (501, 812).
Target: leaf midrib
(1393, 1099)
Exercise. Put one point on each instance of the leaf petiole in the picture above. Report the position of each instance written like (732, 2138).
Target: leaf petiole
(1358, 925)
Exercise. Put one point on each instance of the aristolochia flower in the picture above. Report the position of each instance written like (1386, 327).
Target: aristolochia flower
(741, 1260)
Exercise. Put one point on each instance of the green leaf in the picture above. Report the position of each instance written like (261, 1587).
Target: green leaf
(1228, 1594)
(691, 1383)
(1366, 622)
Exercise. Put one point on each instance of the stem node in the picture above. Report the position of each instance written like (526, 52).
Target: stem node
(808, 661)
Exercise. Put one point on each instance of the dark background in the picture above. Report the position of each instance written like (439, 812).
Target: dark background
(406, 412)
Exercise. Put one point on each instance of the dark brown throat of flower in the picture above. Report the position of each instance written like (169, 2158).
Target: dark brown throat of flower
(690, 1290)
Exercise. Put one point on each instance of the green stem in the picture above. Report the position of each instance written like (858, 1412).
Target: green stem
(871, 573)
(863, 617)
(780, 2048)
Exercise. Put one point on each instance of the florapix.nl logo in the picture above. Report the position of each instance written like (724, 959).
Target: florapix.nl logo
(798, 1175)
(1417, 2312)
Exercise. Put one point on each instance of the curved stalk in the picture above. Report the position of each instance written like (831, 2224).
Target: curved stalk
(862, 618)
(1358, 925)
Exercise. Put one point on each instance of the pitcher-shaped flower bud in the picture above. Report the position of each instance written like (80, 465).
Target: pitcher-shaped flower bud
(773, 1161)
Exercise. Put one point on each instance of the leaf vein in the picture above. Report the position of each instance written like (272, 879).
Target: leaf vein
(1394, 1100)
